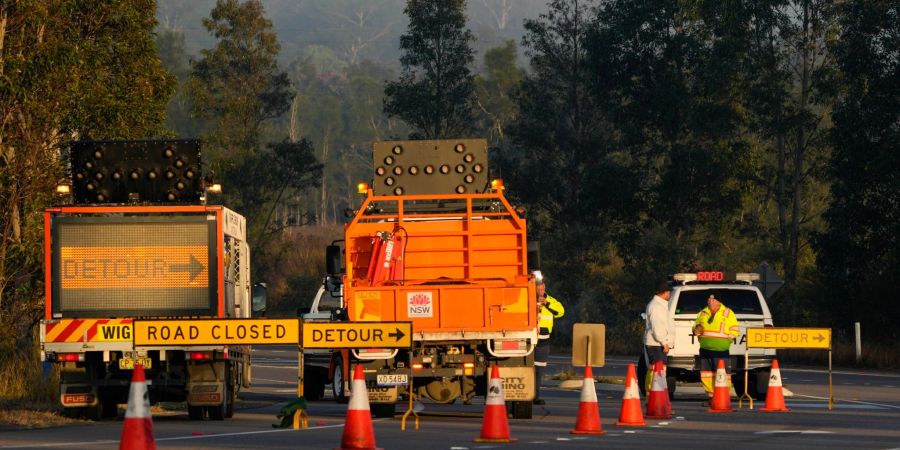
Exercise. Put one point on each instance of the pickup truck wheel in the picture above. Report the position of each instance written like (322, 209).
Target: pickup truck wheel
(521, 410)
(642, 377)
(314, 386)
(382, 410)
(195, 412)
(337, 383)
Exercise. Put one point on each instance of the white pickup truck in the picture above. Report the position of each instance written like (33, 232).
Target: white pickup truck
(736, 291)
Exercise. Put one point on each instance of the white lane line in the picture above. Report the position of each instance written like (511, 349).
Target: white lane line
(851, 401)
(274, 381)
(795, 432)
(276, 367)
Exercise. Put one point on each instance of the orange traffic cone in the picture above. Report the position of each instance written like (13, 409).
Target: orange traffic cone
(588, 421)
(495, 427)
(358, 431)
(630, 415)
(721, 401)
(137, 434)
(658, 404)
(775, 393)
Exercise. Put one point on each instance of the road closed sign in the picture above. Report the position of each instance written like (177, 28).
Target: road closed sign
(789, 338)
(216, 332)
(357, 335)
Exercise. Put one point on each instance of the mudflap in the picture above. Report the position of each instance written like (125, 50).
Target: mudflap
(206, 383)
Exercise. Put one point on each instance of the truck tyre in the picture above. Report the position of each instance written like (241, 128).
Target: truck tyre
(195, 412)
(382, 410)
(218, 412)
(337, 383)
(521, 410)
(641, 375)
(110, 408)
(314, 386)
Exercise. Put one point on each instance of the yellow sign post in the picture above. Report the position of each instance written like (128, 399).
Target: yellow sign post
(357, 335)
(148, 333)
(784, 337)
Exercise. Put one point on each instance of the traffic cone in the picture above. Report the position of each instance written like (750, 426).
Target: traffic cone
(495, 427)
(630, 415)
(358, 431)
(588, 421)
(137, 434)
(721, 401)
(658, 404)
(775, 393)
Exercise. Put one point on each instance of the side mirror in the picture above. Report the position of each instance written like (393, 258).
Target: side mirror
(258, 303)
(333, 260)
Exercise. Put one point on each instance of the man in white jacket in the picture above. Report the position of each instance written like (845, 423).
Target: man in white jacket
(659, 332)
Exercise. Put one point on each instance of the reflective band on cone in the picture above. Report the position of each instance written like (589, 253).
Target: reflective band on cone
(630, 415)
(658, 404)
(775, 392)
(358, 431)
(495, 427)
(588, 421)
(721, 401)
(137, 433)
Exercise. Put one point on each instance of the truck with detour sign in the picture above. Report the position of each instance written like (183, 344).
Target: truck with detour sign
(435, 243)
(137, 241)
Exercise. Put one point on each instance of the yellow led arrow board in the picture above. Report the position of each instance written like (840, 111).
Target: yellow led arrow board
(789, 338)
(357, 335)
(216, 332)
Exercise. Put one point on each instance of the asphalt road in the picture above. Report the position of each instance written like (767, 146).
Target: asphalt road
(866, 415)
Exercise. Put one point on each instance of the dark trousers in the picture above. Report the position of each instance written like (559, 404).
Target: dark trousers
(652, 354)
(541, 356)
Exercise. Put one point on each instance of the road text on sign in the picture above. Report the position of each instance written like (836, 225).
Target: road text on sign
(789, 338)
(134, 267)
(357, 335)
(216, 332)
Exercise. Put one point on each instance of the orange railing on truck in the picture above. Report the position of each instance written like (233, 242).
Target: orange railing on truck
(463, 257)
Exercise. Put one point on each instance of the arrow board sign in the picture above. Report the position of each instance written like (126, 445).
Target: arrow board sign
(356, 335)
(789, 338)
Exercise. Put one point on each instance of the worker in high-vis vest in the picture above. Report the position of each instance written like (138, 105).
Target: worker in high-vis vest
(716, 326)
(549, 308)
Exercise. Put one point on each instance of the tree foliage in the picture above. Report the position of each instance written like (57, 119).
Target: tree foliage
(68, 70)
(237, 84)
(859, 253)
(434, 94)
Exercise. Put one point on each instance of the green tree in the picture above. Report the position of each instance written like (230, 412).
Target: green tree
(859, 253)
(494, 91)
(237, 85)
(434, 94)
(172, 54)
(68, 70)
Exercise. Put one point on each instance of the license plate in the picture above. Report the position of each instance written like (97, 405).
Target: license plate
(393, 379)
(128, 363)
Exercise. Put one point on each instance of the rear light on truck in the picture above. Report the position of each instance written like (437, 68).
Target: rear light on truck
(69, 357)
(417, 366)
(201, 356)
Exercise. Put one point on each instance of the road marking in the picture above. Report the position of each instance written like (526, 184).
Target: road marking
(84, 444)
(795, 432)
(273, 381)
(882, 405)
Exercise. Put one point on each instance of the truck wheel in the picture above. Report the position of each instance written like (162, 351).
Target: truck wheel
(670, 383)
(195, 412)
(229, 408)
(382, 410)
(641, 377)
(521, 410)
(314, 386)
(110, 408)
(218, 412)
(759, 381)
(337, 383)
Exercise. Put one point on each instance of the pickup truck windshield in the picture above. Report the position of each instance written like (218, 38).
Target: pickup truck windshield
(741, 301)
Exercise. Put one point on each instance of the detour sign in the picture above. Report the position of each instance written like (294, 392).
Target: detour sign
(180, 266)
(789, 338)
(216, 332)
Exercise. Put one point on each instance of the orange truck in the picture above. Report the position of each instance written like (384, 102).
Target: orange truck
(140, 242)
(436, 243)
